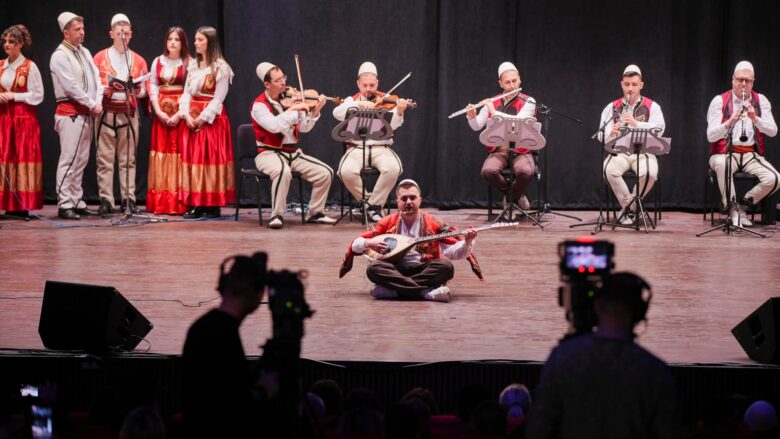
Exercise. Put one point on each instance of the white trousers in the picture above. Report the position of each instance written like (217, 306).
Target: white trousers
(75, 137)
(383, 159)
(617, 165)
(114, 139)
(280, 166)
(751, 163)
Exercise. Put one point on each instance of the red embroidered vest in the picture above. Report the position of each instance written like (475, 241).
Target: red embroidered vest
(21, 78)
(170, 89)
(727, 109)
(103, 63)
(266, 138)
(641, 112)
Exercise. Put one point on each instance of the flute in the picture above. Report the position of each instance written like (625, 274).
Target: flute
(481, 104)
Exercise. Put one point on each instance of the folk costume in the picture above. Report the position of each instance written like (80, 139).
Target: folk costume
(21, 173)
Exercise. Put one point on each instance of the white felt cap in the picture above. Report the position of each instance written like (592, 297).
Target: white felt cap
(744, 65)
(119, 17)
(632, 68)
(65, 18)
(367, 67)
(262, 69)
(505, 67)
(409, 181)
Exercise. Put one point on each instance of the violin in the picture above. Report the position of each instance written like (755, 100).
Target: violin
(292, 96)
(390, 101)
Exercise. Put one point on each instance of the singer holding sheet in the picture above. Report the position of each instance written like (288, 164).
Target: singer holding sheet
(635, 111)
(118, 127)
(498, 158)
(753, 114)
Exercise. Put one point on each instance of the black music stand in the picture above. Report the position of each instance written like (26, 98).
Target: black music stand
(362, 124)
(515, 132)
(728, 226)
(636, 141)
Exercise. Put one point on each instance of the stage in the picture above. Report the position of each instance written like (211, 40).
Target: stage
(702, 286)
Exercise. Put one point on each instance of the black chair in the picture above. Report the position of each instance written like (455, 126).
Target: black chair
(767, 206)
(247, 151)
(632, 178)
(507, 173)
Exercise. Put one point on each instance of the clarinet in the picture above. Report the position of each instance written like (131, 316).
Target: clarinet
(743, 137)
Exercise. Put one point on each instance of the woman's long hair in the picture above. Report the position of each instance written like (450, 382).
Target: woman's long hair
(185, 45)
(213, 51)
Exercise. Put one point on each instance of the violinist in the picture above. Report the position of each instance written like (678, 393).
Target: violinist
(498, 159)
(380, 154)
(277, 130)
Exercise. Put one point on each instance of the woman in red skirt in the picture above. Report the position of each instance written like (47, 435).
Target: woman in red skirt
(21, 89)
(208, 180)
(169, 72)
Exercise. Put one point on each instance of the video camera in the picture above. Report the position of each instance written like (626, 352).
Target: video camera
(281, 352)
(584, 264)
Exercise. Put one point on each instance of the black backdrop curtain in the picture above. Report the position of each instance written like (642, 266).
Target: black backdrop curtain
(570, 54)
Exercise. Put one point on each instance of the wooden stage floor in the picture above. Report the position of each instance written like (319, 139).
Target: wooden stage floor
(702, 286)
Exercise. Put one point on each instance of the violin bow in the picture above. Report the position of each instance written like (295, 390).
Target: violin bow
(399, 83)
(300, 78)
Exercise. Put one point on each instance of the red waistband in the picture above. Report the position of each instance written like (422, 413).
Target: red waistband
(70, 108)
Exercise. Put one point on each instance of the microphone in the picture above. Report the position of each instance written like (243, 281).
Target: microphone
(743, 137)
(122, 34)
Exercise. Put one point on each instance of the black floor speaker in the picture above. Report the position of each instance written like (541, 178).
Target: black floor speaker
(758, 334)
(90, 318)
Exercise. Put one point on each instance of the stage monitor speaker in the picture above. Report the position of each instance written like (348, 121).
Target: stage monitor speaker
(759, 333)
(90, 318)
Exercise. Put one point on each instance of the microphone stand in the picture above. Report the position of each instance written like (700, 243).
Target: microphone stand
(543, 207)
(128, 216)
(600, 221)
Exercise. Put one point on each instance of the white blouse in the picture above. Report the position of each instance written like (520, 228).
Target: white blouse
(195, 78)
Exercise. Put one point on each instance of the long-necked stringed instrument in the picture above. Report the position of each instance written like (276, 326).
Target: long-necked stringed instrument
(399, 245)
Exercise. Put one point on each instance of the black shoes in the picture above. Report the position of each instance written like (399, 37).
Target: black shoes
(68, 214)
(202, 212)
(106, 208)
(193, 213)
(86, 212)
(133, 207)
(211, 213)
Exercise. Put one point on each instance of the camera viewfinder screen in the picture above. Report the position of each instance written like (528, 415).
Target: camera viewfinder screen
(585, 256)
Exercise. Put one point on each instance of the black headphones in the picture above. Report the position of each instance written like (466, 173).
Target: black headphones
(245, 268)
(632, 289)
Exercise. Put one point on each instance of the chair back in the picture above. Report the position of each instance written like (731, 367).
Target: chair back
(247, 147)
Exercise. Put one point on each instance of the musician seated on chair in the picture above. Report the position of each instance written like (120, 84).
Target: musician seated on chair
(634, 111)
(422, 271)
(751, 112)
(497, 160)
(276, 131)
(379, 154)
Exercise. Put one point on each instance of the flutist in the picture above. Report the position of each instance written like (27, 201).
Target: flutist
(513, 104)
(750, 114)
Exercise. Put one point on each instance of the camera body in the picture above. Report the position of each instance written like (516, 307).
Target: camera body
(584, 264)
